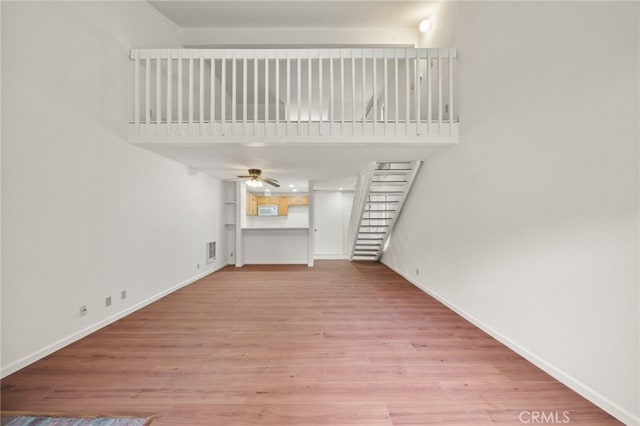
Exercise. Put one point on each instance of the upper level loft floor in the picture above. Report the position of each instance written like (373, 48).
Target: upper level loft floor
(361, 95)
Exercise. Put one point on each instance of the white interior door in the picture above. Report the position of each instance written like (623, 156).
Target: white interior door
(331, 216)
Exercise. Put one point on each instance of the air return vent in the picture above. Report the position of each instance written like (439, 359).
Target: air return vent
(211, 251)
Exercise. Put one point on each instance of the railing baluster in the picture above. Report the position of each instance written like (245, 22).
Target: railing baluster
(299, 82)
(342, 93)
(353, 91)
(309, 64)
(169, 90)
(277, 102)
(244, 93)
(212, 99)
(158, 108)
(266, 93)
(287, 110)
(201, 90)
(451, 116)
(429, 92)
(147, 93)
(320, 106)
(331, 112)
(223, 89)
(180, 115)
(416, 92)
(234, 85)
(364, 89)
(397, 89)
(407, 94)
(385, 115)
(439, 91)
(255, 93)
(375, 89)
(136, 93)
(190, 106)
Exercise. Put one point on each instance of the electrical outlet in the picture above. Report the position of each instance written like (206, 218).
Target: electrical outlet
(197, 266)
(83, 310)
(123, 294)
(417, 271)
(231, 254)
(107, 301)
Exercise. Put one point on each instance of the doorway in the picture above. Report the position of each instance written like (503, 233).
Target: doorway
(331, 215)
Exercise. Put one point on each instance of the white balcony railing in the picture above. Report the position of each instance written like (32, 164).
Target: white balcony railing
(371, 94)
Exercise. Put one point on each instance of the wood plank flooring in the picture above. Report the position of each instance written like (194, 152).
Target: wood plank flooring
(338, 344)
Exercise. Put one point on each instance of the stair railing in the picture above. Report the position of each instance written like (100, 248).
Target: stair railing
(363, 185)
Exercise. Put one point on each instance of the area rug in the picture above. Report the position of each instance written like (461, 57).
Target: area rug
(40, 420)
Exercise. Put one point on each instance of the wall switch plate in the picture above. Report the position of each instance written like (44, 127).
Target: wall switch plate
(417, 271)
(123, 294)
(107, 301)
(83, 310)
(197, 266)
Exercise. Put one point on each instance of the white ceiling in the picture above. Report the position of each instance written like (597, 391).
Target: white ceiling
(293, 14)
(330, 166)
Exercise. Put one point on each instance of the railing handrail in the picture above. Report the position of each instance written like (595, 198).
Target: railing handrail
(294, 53)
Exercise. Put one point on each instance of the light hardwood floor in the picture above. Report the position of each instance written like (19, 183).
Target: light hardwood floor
(339, 344)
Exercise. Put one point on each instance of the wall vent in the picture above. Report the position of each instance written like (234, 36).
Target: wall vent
(211, 251)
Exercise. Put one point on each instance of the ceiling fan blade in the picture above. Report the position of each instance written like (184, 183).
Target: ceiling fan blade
(270, 182)
(245, 177)
(232, 179)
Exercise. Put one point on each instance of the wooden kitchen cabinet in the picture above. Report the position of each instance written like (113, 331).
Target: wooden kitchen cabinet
(252, 205)
(283, 206)
(298, 200)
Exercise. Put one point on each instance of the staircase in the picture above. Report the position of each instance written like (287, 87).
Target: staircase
(380, 194)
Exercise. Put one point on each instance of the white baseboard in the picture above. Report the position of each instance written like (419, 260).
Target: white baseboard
(47, 350)
(578, 386)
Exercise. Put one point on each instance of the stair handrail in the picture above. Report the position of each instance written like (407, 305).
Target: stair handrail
(363, 184)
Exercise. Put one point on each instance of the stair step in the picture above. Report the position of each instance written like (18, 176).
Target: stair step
(383, 202)
(386, 192)
(361, 250)
(371, 232)
(368, 245)
(386, 172)
(374, 226)
(380, 211)
(370, 239)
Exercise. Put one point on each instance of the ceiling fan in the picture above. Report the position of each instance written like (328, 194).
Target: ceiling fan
(255, 179)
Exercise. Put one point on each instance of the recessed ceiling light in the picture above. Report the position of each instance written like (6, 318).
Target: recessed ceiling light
(425, 25)
(339, 189)
(290, 186)
(294, 190)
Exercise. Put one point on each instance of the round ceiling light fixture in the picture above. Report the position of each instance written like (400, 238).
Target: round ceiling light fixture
(425, 25)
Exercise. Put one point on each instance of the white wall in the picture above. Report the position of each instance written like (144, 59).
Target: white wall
(84, 213)
(275, 246)
(530, 226)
